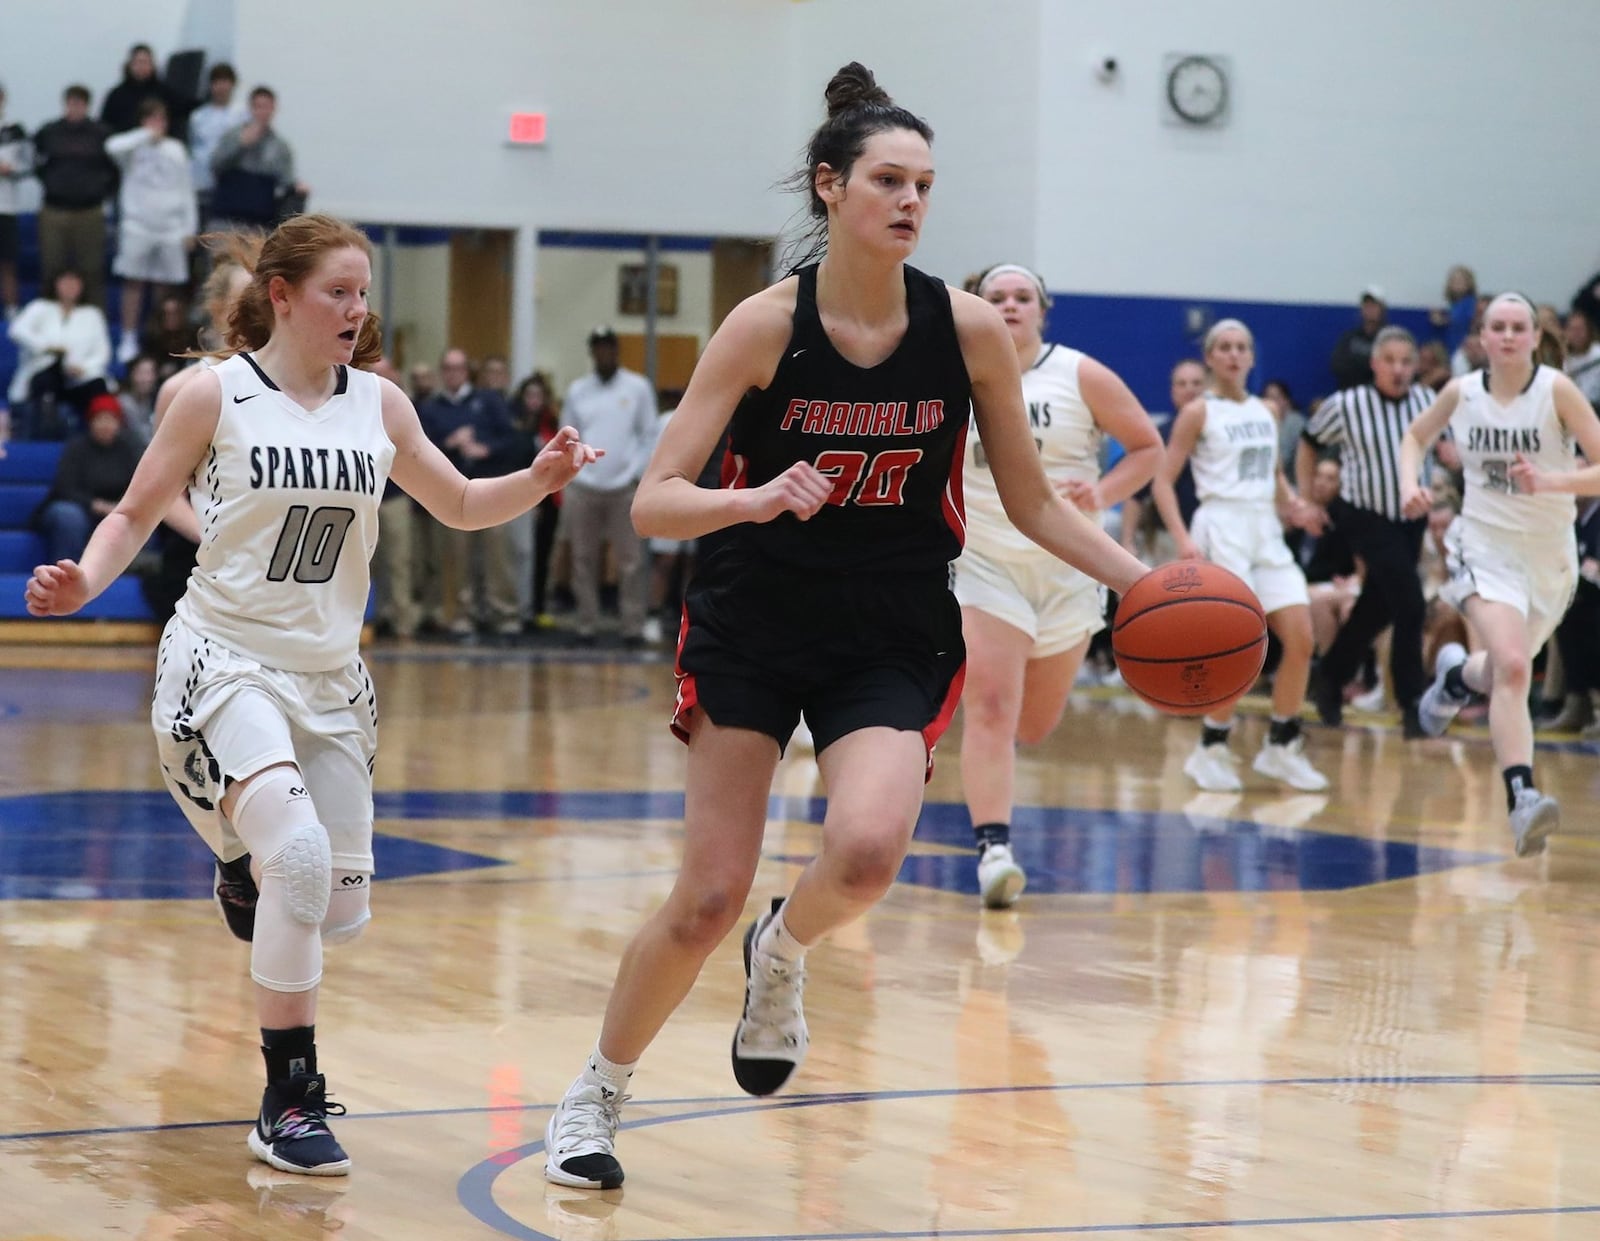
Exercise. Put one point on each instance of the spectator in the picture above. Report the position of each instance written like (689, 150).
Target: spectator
(157, 219)
(614, 409)
(494, 376)
(393, 561)
(532, 538)
(168, 332)
(1433, 365)
(1578, 636)
(1326, 558)
(16, 161)
(95, 469)
(1352, 355)
(1140, 523)
(77, 177)
(472, 428)
(1275, 392)
(1454, 318)
(424, 383)
(65, 350)
(138, 399)
(140, 83)
(254, 168)
(1583, 354)
(220, 113)
(1471, 356)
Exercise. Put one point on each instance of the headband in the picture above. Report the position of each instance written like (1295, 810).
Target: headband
(1013, 269)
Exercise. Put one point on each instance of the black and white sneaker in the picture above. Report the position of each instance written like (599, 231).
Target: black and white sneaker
(581, 1136)
(771, 1038)
(234, 893)
(291, 1132)
(1438, 706)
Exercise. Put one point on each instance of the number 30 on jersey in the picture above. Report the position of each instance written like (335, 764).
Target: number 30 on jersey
(868, 481)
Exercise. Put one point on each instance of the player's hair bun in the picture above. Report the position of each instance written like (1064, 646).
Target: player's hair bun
(854, 87)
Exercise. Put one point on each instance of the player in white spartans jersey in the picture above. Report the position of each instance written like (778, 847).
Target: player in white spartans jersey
(1512, 553)
(1027, 618)
(1230, 440)
(234, 257)
(264, 714)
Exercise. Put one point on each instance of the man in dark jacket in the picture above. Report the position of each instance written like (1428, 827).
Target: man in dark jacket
(1351, 362)
(95, 469)
(120, 111)
(77, 177)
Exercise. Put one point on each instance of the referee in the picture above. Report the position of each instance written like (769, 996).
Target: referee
(1365, 423)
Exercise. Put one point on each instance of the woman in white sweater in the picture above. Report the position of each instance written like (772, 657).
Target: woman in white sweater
(64, 348)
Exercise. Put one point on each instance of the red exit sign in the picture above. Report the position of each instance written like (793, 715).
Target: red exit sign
(527, 128)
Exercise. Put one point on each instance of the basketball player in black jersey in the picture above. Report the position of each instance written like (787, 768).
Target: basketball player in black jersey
(848, 388)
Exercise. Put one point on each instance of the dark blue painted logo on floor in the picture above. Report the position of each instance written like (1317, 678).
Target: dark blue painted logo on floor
(136, 845)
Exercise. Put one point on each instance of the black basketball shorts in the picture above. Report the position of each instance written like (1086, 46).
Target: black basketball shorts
(761, 646)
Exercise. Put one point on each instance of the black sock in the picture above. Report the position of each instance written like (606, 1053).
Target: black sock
(991, 834)
(1282, 732)
(289, 1052)
(1517, 779)
(1456, 685)
(1210, 734)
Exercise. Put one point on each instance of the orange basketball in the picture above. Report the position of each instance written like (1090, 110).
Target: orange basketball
(1189, 637)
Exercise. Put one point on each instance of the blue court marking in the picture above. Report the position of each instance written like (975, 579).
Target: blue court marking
(1586, 1080)
(136, 845)
(475, 1189)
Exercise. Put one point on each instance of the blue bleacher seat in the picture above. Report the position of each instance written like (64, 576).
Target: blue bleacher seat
(26, 472)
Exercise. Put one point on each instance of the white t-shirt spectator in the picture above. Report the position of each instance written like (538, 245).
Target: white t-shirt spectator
(618, 415)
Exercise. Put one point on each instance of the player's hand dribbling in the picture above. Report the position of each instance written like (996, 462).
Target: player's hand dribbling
(560, 460)
(58, 589)
(802, 489)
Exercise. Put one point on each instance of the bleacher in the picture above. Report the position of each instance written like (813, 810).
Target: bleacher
(25, 474)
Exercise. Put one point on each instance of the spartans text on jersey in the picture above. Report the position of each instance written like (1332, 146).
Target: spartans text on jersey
(328, 469)
(1503, 439)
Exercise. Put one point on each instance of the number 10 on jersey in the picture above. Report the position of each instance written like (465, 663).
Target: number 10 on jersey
(859, 479)
(310, 542)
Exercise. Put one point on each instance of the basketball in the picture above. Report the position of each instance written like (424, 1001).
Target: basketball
(1189, 637)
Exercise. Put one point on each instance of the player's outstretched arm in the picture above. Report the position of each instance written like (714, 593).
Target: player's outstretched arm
(1415, 501)
(1030, 502)
(426, 474)
(176, 449)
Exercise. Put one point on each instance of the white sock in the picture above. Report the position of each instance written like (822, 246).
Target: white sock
(607, 1072)
(776, 940)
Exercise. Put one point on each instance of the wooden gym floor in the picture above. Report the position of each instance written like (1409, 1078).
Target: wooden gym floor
(1265, 1017)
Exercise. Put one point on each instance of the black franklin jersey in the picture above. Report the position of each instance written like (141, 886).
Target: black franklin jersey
(891, 437)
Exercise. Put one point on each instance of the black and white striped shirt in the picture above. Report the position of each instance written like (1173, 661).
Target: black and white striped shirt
(1367, 426)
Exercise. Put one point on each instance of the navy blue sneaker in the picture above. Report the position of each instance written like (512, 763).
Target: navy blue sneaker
(235, 895)
(291, 1132)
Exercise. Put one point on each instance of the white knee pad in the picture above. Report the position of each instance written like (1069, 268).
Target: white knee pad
(348, 906)
(275, 818)
(304, 864)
